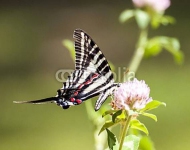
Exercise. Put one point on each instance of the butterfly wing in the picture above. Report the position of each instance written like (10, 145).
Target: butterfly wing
(89, 57)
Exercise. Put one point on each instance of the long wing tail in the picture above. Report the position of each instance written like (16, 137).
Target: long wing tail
(40, 101)
(104, 95)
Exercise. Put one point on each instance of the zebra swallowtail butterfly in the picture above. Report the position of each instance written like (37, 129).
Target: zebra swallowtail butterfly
(92, 76)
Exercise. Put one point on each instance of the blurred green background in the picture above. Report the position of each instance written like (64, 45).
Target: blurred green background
(31, 51)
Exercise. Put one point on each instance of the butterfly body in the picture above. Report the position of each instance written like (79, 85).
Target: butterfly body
(92, 76)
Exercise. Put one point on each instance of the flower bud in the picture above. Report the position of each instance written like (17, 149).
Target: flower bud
(157, 5)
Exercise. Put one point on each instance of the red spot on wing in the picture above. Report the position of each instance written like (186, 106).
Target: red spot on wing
(91, 79)
(80, 86)
(72, 99)
(76, 93)
(94, 76)
(85, 83)
(78, 101)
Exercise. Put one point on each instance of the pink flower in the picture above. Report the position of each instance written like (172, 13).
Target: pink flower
(157, 5)
(131, 95)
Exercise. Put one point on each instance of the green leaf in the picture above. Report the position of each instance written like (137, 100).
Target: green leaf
(109, 112)
(126, 15)
(136, 124)
(115, 147)
(152, 105)
(142, 18)
(115, 115)
(160, 19)
(153, 47)
(131, 142)
(155, 22)
(173, 42)
(111, 139)
(70, 46)
(150, 116)
(179, 57)
(146, 143)
(165, 20)
(108, 124)
(172, 45)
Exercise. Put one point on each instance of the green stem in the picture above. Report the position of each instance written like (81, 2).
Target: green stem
(90, 110)
(121, 131)
(124, 132)
(97, 121)
(139, 53)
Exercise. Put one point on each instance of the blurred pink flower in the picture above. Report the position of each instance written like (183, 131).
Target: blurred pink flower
(157, 5)
(131, 95)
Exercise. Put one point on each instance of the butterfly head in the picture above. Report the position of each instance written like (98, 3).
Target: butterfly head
(61, 102)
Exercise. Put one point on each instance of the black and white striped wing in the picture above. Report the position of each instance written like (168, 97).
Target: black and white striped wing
(89, 56)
